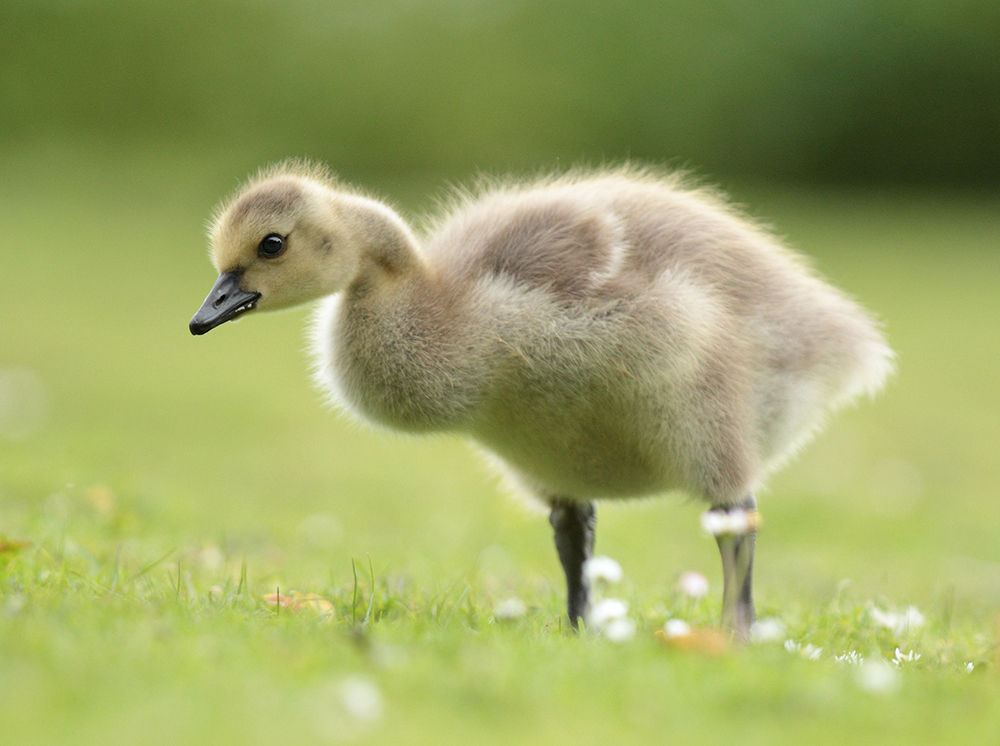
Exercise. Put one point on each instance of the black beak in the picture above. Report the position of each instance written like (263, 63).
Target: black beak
(225, 302)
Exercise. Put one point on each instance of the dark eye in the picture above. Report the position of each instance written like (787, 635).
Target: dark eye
(271, 246)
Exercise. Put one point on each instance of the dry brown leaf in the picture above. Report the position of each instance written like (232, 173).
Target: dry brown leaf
(12, 546)
(701, 641)
(295, 601)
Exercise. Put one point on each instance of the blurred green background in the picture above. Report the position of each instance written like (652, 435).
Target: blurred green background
(821, 90)
(867, 131)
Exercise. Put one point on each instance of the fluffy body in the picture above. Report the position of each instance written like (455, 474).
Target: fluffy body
(607, 335)
(604, 334)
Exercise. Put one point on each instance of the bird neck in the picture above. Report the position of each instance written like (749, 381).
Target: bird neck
(387, 249)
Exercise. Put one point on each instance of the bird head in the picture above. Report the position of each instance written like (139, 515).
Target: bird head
(280, 242)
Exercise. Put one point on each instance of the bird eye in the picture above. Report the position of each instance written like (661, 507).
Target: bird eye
(271, 246)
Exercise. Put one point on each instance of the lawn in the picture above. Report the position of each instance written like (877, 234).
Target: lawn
(156, 489)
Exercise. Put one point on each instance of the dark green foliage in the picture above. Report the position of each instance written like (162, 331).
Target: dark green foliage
(825, 90)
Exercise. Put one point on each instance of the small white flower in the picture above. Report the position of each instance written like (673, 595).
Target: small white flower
(970, 666)
(739, 521)
(905, 658)
(851, 658)
(693, 585)
(676, 628)
(878, 677)
(620, 630)
(361, 698)
(810, 652)
(602, 570)
(884, 618)
(909, 620)
(912, 618)
(715, 522)
(733, 522)
(605, 611)
(767, 630)
(509, 609)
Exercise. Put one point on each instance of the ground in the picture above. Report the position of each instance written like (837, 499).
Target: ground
(166, 502)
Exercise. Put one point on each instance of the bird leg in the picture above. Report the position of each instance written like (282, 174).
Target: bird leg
(736, 545)
(573, 523)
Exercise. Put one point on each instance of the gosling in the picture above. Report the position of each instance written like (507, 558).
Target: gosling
(602, 334)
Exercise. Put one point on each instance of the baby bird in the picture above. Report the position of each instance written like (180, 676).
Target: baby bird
(602, 334)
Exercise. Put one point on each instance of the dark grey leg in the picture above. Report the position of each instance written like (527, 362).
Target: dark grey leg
(573, 523)
(737, 575)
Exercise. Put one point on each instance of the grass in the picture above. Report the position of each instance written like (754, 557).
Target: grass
(171, 484)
